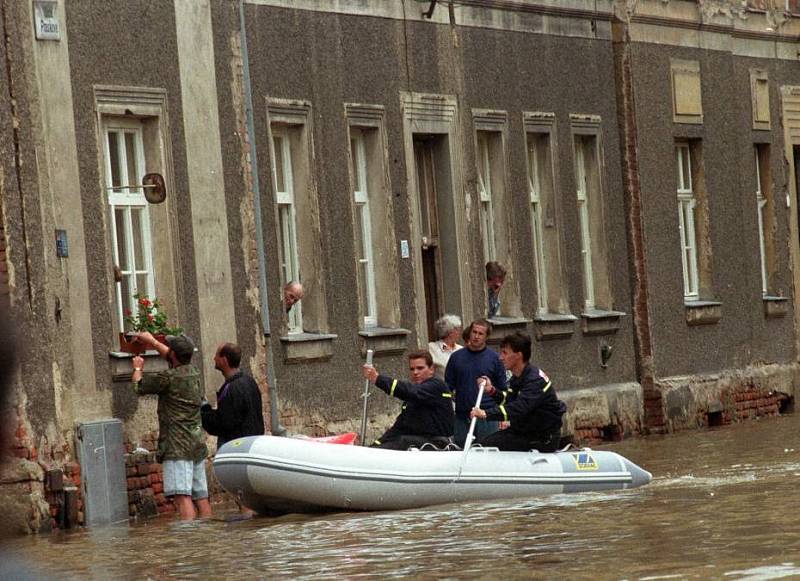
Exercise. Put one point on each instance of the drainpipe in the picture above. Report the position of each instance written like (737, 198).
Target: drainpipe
(275, 422)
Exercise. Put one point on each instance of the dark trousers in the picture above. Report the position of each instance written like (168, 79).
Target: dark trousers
(514, 442)
(404, 442)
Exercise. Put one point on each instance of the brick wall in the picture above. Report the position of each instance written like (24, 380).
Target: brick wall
(145, 479)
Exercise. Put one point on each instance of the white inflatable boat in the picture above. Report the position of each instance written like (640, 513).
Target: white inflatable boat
(272, 474)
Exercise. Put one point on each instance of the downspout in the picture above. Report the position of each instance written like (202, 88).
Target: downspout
(275, 423)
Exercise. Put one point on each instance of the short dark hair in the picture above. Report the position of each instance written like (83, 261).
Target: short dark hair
(481, 323)
(421, 354)
(519, 343)
(494, 270)
(232, 353)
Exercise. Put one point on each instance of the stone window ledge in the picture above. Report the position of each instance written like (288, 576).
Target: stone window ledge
(122, 368)
(384, 339)
(703, 312)
(307, 346)
(554, 325)
(775, 307)
(600, 321)
(504, 325)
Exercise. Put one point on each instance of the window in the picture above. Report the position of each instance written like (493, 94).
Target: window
(129, 214)
(297, 221)
(538, 176)
(485, 195)
(363, 227)
(765, 210)
(686, 222)
(596, 285)
(287, 221)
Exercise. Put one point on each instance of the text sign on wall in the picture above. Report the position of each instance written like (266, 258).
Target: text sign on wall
(45, 14)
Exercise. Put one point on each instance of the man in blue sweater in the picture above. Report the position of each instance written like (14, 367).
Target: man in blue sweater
(464, 368)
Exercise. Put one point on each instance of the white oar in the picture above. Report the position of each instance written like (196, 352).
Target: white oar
(365, 396)
(470, 436)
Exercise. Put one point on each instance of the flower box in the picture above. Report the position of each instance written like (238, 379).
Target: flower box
(129, 344)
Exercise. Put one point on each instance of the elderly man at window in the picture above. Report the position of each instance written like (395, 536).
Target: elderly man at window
(292, 293)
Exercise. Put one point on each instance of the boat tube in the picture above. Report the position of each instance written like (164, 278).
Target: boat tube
(278, 475)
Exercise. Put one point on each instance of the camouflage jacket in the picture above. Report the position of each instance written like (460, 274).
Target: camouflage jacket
(180, 432)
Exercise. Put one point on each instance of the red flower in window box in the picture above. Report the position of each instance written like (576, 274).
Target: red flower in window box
(149, 317)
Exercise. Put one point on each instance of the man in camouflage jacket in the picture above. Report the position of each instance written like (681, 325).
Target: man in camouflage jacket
(181, 440)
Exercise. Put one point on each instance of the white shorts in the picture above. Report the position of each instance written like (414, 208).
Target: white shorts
(185, 478)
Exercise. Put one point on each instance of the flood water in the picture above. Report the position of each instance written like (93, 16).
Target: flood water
(722, 505)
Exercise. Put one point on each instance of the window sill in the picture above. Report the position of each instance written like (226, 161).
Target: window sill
(553, 325)
(384, 339)
(775, 307)
(122, 368)
(703, 312)
(307, 346)
(501, 326)
(600, 322)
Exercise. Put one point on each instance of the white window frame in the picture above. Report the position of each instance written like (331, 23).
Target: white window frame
(537, 223)
(485, 197)
(128, 196)
(686, 222)
(365, 255)
(287, 222)
(583, 217)
(761, 205)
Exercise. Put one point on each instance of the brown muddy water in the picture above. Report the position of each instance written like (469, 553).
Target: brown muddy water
(722, 505)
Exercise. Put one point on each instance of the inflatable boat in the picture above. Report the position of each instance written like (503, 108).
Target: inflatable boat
(279, 475)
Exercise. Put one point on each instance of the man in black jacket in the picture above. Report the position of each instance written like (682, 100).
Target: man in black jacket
(427, 412)
(239, 410)
(529, 403)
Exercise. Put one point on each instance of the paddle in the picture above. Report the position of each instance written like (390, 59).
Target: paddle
(365, 396)
(470, 437)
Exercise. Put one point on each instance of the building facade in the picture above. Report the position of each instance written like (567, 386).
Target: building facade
(632, 164)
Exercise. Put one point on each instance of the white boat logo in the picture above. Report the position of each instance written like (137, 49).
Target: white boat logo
(585, 461)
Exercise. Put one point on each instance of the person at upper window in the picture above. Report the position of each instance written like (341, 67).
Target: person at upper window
(529, 403)
(448, 330)
(427, 412)
(464, 368)
(495, 279)
(292, 293)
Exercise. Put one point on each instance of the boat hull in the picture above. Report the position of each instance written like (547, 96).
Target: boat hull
(272, 474)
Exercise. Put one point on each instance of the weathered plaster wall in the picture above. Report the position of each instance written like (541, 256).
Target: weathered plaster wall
(331, 59)
(743, 336)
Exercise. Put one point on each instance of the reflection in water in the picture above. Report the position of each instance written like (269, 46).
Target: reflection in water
(720, 506)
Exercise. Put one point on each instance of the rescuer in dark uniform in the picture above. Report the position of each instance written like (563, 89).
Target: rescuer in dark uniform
(427, 413)
(529, 403)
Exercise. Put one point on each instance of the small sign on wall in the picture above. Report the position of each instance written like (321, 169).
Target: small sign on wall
(404, 253)
(45, 15)
(62, 246)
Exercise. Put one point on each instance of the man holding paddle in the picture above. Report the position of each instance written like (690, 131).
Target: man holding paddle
(530, 403)
(427, 413)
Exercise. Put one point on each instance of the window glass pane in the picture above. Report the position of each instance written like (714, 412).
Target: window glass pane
(127, 297)
(354, 166)
(113, 152)
(363, 264)
(122, 237)
(287, 243)
(141, 284)
(687, 170)
(137, 220)
(280, 178)
(130, 153)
